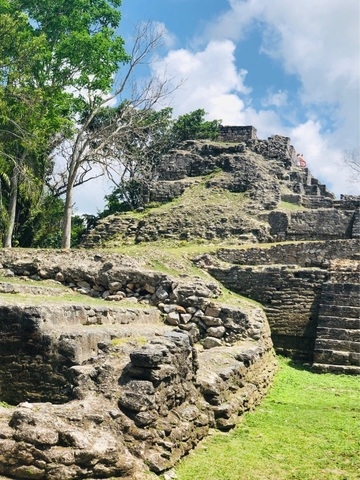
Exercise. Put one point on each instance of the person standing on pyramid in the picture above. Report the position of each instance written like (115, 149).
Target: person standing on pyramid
(301, 160)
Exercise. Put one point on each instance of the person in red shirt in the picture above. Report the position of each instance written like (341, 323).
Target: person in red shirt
(301, 160)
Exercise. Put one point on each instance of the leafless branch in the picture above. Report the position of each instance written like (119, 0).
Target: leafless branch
(351, 162)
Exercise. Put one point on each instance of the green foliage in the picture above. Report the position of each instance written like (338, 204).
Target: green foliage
(41, 227)
(116, 200)
(154, 134)
(192, 126)
(49, 51)
(78, 228)
(138, 152)
(306, 429)
(82, 48)
(54, 57)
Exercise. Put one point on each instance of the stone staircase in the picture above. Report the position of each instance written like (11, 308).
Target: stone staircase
(337, 345)
(356, 224)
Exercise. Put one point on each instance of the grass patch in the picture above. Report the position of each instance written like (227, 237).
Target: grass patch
(169, 257)
(71, 298)
(290, 206)
(228, 297)
(306, 429)
(32, 283)
(137, 341)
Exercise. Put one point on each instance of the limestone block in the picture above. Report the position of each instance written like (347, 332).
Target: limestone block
(173, 318)
(211, 342)
(161, 293)
(149, 356)
(137, 395)
(217, 332)
(185, 318)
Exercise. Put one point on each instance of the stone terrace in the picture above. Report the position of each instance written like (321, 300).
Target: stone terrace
(309, 291)
(123, 371)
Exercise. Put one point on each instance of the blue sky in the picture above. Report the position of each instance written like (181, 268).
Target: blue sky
(286, 67)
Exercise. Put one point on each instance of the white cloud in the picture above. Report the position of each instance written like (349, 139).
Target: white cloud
(207, 76)
(275, 99)
(323, 159)
(317, 41)
(212, 82)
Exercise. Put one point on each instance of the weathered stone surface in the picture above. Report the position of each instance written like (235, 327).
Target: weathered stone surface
(124, 401)
(118, 408)
(264, 172)
(149, 356)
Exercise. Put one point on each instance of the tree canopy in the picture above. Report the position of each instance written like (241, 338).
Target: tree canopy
(50, 53)
(61, 64)
(140, 155)
(194, 126)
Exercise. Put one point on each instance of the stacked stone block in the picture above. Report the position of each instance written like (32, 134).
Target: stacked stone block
(132, 388)
(337, 346)
(237, 134)
(310, 293)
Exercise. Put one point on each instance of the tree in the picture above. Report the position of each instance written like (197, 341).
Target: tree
(351, 161)
(23, 121)
(141, 151)
(49, 53)
(137, 153)
(94, 138)
(193, 126)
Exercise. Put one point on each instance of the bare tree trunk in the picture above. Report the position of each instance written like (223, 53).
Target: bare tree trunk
(12, 207)
(66, 227)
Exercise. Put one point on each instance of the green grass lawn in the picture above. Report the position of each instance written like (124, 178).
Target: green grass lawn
(308, 428)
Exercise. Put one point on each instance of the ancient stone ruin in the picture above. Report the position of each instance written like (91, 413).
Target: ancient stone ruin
(115, 390)
(109, 369)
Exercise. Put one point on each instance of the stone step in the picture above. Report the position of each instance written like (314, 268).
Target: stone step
(347, 288)
(337, 345)
(316, 201)
(342, 311)
(72, 316)
(356, 224)
(338, 299)
(139, 331)
(312, 191)
(345, 276)
(325, 333)
(336, 357)
(338, 322)
(328, 368)
(32, 289)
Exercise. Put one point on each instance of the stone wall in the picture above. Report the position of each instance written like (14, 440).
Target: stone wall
(319, 224)
(133, 388)
(39, 345)
(237, 134)
(276, 147)
(143, 415)
(305, 254)
(291, 282)
(290, 296)
(355, 230)
(349, 202)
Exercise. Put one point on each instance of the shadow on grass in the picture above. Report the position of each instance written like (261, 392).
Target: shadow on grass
(298, 364)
